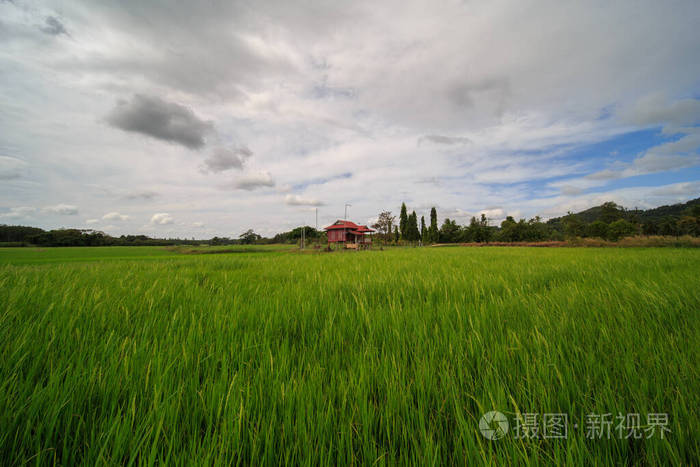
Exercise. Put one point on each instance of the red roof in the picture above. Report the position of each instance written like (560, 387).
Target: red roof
(364, 228)
(340, 224)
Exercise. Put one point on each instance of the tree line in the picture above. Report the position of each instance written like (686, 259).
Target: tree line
(608, 222)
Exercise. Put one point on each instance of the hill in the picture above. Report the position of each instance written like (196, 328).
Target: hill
(608, 211)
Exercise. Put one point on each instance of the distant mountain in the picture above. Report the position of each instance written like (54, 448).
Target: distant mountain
(656, 215)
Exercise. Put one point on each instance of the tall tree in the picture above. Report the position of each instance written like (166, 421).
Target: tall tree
(384, 224)
(433, 230)
(412, 232)
(396, 234)
(423, 230)
(403, 220)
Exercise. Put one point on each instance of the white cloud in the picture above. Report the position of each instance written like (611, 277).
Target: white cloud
(62, 209)
(19, 212)
(433, 107)
(162, 218)
(493, 213)
(296, 200)
(115, 216)
(198, 224)
(92, 221)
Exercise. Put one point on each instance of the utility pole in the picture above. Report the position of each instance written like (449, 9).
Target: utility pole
(346, 211)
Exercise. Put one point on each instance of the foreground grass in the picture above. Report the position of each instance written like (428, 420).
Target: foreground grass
(344, 358)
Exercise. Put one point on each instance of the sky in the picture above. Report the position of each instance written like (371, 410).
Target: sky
(201, 119)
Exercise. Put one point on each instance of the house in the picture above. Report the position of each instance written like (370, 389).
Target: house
(349, 233)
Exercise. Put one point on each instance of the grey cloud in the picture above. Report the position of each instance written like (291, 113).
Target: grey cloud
(141, 195)
(223, 159)
(254, 181)
(468, 94)
(216, 52)
(166, 121)
(571, 190)
(53, 27)
(655, 110)
(430, 181)
(11, 168)
(441, 139)
(652, 162)
(296, 200)
(606, 174)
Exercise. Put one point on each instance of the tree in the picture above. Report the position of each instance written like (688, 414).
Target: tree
(610, 212)
(449, 232)
(412, 233)
(668, 227)
(509, 230)
(396, 234)
(573, 227)
(384, 224)
(479, 230)
(689, 225)
(536, 230)
(650, 228)
(249, 237)
(433, 229)
(620, 229)
(403, 220)
(423, 229)
(597, 229)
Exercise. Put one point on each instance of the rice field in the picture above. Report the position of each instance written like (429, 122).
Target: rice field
(141, 355)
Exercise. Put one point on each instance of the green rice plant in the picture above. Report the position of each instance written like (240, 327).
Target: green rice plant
(150, 356)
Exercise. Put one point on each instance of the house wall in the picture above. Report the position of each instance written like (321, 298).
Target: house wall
(336, 235)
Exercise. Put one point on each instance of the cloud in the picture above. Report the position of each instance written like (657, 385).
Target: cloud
(223, 159)
(448, 140)
(683, 190)
(479, 124)
(141, 195)
(254, 181)
(295, 200)
(162, 218)
(673, 155)
(493, 213)
(92, 221)
(606, 174)
(53, 27)
(11, 168)
(198, 224)
(19, 212)
(62, 209)
(656, 109)
(166, 121)
(571, 190)
(115, 216)
(654, 162)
